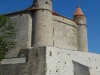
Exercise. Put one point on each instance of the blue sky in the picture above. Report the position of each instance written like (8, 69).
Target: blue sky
(91, 8)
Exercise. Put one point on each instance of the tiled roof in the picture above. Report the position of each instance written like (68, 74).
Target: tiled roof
(78, 12)
(32, 9)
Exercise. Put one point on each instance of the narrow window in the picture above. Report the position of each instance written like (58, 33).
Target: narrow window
(36, 54)
(50, 53)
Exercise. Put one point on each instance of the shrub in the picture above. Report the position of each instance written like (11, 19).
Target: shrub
(7, 35)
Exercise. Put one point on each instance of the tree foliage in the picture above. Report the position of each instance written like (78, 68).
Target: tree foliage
(7, 35)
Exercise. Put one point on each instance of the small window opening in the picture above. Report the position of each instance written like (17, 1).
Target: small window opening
(46, 2)
(36, 54)
(50, 53)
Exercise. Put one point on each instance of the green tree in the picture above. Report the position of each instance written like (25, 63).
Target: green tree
(7, 35)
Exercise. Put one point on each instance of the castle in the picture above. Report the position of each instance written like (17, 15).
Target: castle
(50, 44)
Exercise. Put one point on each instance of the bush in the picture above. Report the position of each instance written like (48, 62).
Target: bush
(7, 35)
(2, 56)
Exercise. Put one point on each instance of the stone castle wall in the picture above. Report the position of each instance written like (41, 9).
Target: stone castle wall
(55, 43)
(65, 33)
(70, 62)
(23, 23)
(61, 33)
(42, 33)
(53, 61)
(82, 33)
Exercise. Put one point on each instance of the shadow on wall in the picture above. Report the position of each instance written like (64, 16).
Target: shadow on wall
(80, 69)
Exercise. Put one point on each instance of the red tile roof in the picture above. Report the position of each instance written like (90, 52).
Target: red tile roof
(78, 12)
(33, 8)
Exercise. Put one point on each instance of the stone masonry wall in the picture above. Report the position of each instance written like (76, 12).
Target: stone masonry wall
(54, 61)
(33, 29)
(60, 62)
(65, 33)
(35, 64)
(82, 33)
(23, 23)
(80, 69)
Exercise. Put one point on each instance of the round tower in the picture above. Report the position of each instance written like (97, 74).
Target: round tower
(42, 23)
(80, 19)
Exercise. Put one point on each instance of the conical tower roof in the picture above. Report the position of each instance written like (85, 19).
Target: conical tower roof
(78, 12)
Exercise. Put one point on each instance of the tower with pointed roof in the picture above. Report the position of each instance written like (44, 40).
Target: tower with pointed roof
(80, 20)
(49, 44)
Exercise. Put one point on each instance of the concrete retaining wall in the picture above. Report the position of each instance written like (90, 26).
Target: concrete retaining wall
(55, 61)
(60, 61)
(13, 61)
(35, 64)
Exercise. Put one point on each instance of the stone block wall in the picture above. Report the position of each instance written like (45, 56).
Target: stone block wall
(54, 61)
(80, 69)
(65, 33)
(33, 29)
(61, 61)
(35, 64)
(23, 23)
